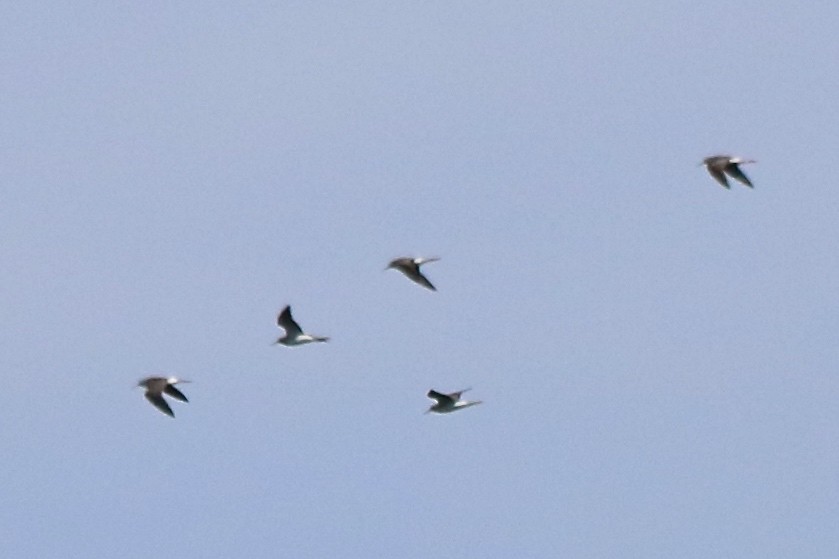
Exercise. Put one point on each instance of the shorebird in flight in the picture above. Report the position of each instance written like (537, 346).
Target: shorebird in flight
(447, 403)
(156, 387)
(294, 335)
(411, 268)
(721, 165)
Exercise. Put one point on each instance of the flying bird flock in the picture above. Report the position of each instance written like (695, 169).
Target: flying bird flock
(720, 167)
(156, 387)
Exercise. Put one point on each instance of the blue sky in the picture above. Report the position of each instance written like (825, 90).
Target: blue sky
(656, 354)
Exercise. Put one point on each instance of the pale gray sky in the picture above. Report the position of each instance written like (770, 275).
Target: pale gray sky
(657, 355)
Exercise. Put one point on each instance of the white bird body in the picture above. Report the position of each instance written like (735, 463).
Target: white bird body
(300, 339)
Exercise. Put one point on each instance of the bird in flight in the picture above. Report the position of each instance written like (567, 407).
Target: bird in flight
(294, 335)
(447, 403)
(156, 387)
(721, 165)
(411, 268)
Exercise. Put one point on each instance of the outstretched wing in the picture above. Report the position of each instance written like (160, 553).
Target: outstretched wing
(734, 171)
(718, 174)
(174, 393)
(158, 402)
(287, 323)
(422, 280)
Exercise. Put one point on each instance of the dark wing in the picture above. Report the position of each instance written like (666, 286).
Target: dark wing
(422, 280)
(441, 398)
(734, 171)
(175, 393)
(158, 402)
(287, 323)
(718, 174)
